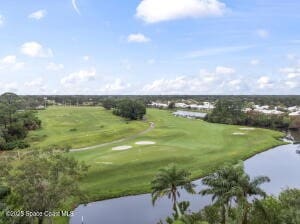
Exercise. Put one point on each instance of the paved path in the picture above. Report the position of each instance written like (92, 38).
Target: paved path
(152, 125)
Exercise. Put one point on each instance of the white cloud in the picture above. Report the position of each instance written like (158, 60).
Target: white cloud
(292, 84)
(74, 4)
(86, 58)
(10, 62)
(255, 62)
(116, 86)
(78, 77)
(36, 86)
(153, 11)
(137, 38)
(204, 82)
(54, 67)
(10, 59)
(1, 20)
(234, 82)
(217, 51)
(291, 72)
(262, 33)
(35, 49)
(221, 70)
(264, 82)
(38, 14)
(9, 87)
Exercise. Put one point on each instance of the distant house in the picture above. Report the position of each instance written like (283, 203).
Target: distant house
(188, 114)
(40, 107)
(295, 120)
(181, 105)
(204, 106)
(158, 105)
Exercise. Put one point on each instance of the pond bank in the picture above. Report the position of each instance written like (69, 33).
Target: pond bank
(280, 164)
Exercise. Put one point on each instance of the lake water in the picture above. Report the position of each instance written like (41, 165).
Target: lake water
(280, 164)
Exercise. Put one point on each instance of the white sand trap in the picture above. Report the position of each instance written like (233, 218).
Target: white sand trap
(122, 147)
(105, 163)
(145, 143)
(247, 129)
(238, 133)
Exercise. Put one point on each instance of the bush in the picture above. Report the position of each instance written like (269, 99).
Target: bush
(133, 110)
(108, 104)
(15, 144)
(4, 191)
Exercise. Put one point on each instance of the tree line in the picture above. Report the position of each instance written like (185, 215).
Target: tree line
(15, 122)
(92, 100)
(236, 199)
(231, 112)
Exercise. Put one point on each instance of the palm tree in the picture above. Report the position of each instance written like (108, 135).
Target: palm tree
(247, 188)
(231, 182)
(166, 183)
(220, 186)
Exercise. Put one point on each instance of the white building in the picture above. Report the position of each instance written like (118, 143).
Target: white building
(189, 114)
(181, 105)
(160, 105)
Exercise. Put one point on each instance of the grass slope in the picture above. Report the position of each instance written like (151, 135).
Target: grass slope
(81, 126)
(196, 145)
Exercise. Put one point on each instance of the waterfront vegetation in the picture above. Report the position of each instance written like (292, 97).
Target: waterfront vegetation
(194, 145)
(236, 199)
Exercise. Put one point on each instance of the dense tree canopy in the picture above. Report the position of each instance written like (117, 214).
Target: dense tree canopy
(42, 181)
(15, 122)
(130, 109)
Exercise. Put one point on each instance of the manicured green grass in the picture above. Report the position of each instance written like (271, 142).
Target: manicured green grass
(196, 145)
(81, 126)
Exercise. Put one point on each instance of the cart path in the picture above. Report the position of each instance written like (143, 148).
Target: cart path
(152, 126)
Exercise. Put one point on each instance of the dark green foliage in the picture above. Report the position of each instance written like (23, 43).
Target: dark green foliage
(282, 210)
(171, 105)
(130, 109)
(231, 112)
(267, 121)
(108, 103)
(15, 122)
(4, 191)
(228, 112)
(43, 181)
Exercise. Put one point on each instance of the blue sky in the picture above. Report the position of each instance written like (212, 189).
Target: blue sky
(150, 47)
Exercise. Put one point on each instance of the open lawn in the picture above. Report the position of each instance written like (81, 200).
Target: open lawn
(81, 126)
(196, 145)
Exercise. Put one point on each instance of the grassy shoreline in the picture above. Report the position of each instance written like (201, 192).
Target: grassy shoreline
(195, 145)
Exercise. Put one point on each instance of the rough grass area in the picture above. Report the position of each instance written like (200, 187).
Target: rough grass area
(82, 126)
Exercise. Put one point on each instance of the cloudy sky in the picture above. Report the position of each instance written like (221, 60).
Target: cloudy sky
(150, 46)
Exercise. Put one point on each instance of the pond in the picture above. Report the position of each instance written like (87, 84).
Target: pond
(280, 164)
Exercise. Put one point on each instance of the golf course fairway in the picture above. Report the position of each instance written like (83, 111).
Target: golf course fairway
(196, 145)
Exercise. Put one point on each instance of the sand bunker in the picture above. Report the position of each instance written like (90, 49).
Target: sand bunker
(122, 147)
(105, 163)
(247, 129)
(238, 133)
(145, 143)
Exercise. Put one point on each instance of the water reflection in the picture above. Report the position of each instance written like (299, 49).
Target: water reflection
(281, 164)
